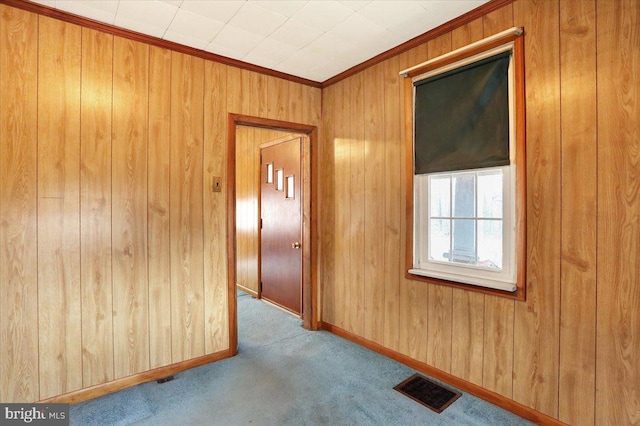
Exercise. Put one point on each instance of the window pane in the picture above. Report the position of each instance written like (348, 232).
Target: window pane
(490, 244)
(440, 196)
(490, 194)
(464, 241)
(269, 172)
(464, 197)
(439, 239)
(290, 187)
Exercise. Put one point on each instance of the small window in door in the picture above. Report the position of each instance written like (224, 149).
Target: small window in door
(280, 180)
(269, 172)
(290, 187)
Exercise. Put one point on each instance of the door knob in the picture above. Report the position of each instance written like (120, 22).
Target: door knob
(295, 245)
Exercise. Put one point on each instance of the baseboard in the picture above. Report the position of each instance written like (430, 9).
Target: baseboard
(247, 290)
(136, 379)
(473, 389)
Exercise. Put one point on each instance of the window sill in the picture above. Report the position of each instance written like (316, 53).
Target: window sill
(420, 275)
(466, 279)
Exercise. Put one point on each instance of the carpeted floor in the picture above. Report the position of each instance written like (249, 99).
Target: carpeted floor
(284, 375)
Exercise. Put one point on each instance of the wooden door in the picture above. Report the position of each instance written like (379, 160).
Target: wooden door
(281, 230)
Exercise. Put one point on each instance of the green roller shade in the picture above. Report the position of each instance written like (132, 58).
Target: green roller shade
(462, 117)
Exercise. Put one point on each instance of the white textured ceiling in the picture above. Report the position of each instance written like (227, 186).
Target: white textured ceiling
(312, 39)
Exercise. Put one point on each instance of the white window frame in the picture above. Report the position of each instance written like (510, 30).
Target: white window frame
(503, 279)
(506, 279)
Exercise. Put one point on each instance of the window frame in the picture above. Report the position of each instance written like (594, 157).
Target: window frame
(515, 40)
(468, 274)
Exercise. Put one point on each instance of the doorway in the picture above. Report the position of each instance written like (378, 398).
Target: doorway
(308, 243)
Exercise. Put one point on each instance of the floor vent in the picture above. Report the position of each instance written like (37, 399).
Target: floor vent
(165, 380)
(427, 393)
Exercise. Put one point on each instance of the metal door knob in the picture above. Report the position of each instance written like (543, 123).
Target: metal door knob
(295, 245)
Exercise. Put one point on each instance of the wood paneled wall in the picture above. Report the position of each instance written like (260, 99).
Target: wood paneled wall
(113, 253)
(571, 350)
(113, 256)
(248, 140)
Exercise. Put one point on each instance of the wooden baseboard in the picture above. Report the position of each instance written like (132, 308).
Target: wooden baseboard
(473, 389)
(136, 379)
(247, 290)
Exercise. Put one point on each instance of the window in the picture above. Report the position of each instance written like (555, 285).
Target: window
(269, 172)
(290, 187)
(463, 218)
(467, 168)
(280, 180)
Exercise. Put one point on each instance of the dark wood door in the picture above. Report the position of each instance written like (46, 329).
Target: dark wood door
(281, 232)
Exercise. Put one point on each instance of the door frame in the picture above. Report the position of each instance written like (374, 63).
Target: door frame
(309, 217)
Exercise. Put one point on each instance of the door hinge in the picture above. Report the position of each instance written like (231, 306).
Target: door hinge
(260, 223)
(260, 287)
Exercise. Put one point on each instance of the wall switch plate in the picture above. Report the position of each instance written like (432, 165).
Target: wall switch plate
(216, 186)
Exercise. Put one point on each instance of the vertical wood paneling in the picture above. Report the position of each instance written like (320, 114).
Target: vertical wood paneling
(440, 302)
(355, 285)
(113, 256)
(497, 366)
(129, 204)
(215, 208)
(58, 207)
(311, 105)
(579, 192)
(244, 227)
(234, 90)
(253, 175)
(516, 348)
(414, 296)
(259, 86)
(393, 144)
(253, 160)
(618, 235)
(341, 205)
(95, 206)
(374, 202)
(536, 328)
(498, 20)
(548, 339)
(467, 346)
(254, 103)
(159, 248)
(240, 227)
(277, 98)
(497, 362)
(19, 379)
(327, 196)
(349, 307)
(187, 309)
(247, 98)
(295, 110)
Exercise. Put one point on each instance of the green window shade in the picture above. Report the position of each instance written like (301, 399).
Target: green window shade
(462, 117)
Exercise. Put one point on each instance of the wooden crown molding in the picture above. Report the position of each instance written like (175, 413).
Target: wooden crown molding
(421, 39)
(154, 41)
